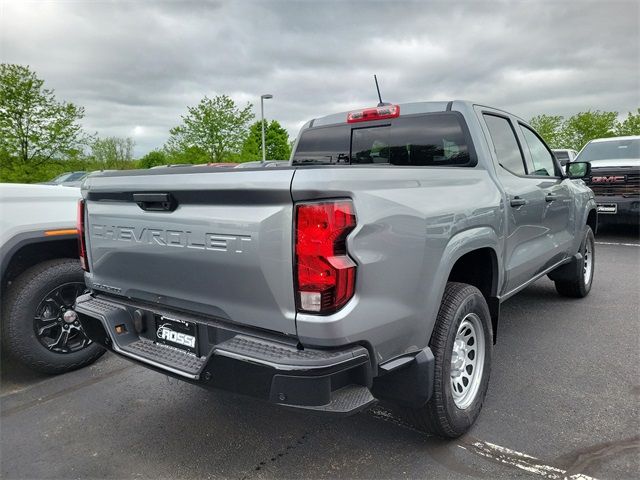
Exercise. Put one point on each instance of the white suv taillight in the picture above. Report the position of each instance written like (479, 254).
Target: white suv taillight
(325, 274)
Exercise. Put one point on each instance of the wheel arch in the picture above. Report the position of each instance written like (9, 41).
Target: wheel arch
(472, 257)
(31, 248)
(479, 268)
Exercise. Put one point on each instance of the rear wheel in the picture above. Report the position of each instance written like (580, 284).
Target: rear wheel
(577, 279)
(462, 346)
(39, 326)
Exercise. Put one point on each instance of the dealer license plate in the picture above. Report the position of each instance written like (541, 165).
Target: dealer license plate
(608, 208)
(177, 333)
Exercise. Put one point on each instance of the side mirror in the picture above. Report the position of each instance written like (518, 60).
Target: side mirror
(578, 169)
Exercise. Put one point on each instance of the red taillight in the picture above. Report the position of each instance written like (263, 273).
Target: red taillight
(325, 273)
(375, 113)
(82, 245)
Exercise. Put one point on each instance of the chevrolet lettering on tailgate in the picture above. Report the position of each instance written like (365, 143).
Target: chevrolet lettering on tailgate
(173, 238)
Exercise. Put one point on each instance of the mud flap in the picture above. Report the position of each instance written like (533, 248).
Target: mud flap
(568, 270)
(410, 385)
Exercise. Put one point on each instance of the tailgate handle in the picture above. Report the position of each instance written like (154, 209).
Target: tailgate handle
(155, 202)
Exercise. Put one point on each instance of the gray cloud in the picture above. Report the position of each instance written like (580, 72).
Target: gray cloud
(136, 65)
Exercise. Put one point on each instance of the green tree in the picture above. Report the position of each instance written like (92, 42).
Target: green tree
(630, 125)
(35, 128)
(276, 142)
(153, 159)
(192, 154)
(216, 126)
(113, 152)
(585, 126)
(550, 129)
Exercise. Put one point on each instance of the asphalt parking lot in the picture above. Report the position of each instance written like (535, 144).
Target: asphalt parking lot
(563, 402)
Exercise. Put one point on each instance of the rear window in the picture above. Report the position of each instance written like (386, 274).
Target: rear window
(435, 139)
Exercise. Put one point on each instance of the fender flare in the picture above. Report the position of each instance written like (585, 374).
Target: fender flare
(460, 244)
(16, 243)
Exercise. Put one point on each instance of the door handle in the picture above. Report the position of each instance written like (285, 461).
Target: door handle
(518, 202)
(550, 197)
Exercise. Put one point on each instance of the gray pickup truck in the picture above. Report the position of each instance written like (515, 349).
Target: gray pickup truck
(371, 267)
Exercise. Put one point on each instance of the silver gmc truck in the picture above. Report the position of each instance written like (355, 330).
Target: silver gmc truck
(372, 266)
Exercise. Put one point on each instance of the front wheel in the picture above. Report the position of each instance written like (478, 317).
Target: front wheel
(462, 344)
(577, 278)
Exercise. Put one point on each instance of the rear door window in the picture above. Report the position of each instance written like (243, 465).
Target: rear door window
(436, 139)
(505, 144)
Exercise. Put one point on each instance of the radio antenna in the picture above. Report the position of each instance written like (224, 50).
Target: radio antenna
(381, 104)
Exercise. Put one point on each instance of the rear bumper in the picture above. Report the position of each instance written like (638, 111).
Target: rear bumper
(627, 210)
(252, 363)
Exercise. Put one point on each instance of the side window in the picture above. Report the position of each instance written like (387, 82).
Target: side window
(505, 144)
(542, 159)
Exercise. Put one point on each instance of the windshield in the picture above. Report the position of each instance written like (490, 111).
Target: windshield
(610, 150)
(435, 139)
(61, 178)
(75, 176)
(561, 155)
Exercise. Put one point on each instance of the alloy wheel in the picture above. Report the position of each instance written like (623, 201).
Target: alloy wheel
(56, 324)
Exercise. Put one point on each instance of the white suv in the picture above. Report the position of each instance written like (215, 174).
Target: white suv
(41, 278)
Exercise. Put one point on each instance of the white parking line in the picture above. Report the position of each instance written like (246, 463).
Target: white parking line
(520, 460)
(619, 244)
(500, 454)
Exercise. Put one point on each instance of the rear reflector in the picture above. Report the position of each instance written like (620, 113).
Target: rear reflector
(82, 245)
(325, 273)
(375, 113)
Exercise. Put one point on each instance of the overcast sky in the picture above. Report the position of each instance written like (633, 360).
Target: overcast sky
(135, 65)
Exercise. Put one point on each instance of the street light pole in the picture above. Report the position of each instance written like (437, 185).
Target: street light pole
(264, 97)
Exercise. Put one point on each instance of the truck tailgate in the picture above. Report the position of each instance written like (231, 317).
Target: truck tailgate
(223, 248)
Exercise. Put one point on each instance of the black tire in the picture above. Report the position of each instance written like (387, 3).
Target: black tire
(572, 281)
(24, 295)
(441, 415)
